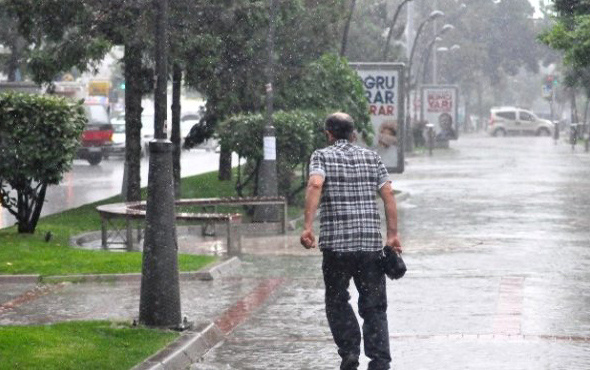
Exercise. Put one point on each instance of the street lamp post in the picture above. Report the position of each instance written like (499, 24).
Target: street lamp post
(159, 304)
(429, 48)
(391, 27)
(426, 61)
(444, 49)
(433, 15)
(445, 28)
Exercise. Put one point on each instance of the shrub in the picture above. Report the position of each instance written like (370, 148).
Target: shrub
(295, 142)
(326, 85)
(39, 136)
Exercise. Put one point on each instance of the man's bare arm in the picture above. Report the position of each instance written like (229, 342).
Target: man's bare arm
(312, 200)
(388, 197)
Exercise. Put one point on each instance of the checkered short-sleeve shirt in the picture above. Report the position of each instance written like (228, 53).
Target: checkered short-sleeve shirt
(349, 218)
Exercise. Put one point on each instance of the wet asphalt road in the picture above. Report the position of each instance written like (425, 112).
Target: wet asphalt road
(86, 184)
(497, 241)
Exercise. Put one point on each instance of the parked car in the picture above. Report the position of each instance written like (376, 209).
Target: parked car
(97, 135)
(517, 121)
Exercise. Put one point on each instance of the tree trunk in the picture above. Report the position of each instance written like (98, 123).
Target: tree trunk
(175, 135)
(38, 206)
(224, 164)
(346, 28)
(29, 205)
(133, 95)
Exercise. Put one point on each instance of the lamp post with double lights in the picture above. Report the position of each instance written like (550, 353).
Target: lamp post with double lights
(445, 28)
(444, 49)
(432, 16)
(429, 50)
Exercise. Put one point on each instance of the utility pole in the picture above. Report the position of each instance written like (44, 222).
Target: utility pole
(159, 304)
(267, 175)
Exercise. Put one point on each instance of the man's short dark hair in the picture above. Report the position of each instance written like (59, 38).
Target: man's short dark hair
(340, 125)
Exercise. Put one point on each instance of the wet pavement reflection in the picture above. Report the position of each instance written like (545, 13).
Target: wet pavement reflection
(497, 242)
(497, 237)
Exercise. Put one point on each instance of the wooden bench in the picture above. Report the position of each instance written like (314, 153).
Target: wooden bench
(135, 211)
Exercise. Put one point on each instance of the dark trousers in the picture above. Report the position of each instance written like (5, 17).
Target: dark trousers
(366, 272)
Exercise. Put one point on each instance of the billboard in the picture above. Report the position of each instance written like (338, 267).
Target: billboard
(384, 89)
(99, 88)
(440, 107)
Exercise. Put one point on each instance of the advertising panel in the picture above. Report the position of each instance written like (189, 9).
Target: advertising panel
(384, 86)
(99, 88)
(440, 107)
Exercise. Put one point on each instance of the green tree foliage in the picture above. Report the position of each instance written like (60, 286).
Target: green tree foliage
(497, 40)
(39, 136)
(62, 34)
(227, 58)
(327, 85)
(11, 39)
(369, 28)
(571, 32)
(295, 132)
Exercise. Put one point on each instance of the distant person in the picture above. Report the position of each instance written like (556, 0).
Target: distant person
(343, 180)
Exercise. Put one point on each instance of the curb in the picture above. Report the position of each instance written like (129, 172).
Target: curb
(212, 272)
(184, 351)
(23, 279)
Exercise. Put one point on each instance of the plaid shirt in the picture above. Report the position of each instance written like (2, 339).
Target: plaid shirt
(349, 219)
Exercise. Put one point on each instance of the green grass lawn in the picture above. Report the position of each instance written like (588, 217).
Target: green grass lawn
(79, 345)
(30, 254)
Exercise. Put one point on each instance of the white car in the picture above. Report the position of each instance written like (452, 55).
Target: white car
(147, 134)
(517, 121)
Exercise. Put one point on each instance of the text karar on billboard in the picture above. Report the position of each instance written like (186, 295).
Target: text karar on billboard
(380, 93)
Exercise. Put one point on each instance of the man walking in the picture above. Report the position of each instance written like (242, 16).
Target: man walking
(345, 178)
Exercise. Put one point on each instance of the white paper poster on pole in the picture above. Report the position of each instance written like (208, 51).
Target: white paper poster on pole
(440, 107)
(384, 86)
(270, 148)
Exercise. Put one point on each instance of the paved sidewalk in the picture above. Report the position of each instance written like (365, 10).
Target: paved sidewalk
(496, 233)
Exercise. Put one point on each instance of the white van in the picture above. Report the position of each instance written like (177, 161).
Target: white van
(517, 121)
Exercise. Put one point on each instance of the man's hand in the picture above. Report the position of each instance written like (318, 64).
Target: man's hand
(393, 241)
(308, 239)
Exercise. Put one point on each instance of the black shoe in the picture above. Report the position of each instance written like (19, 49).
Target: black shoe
(349, 363)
